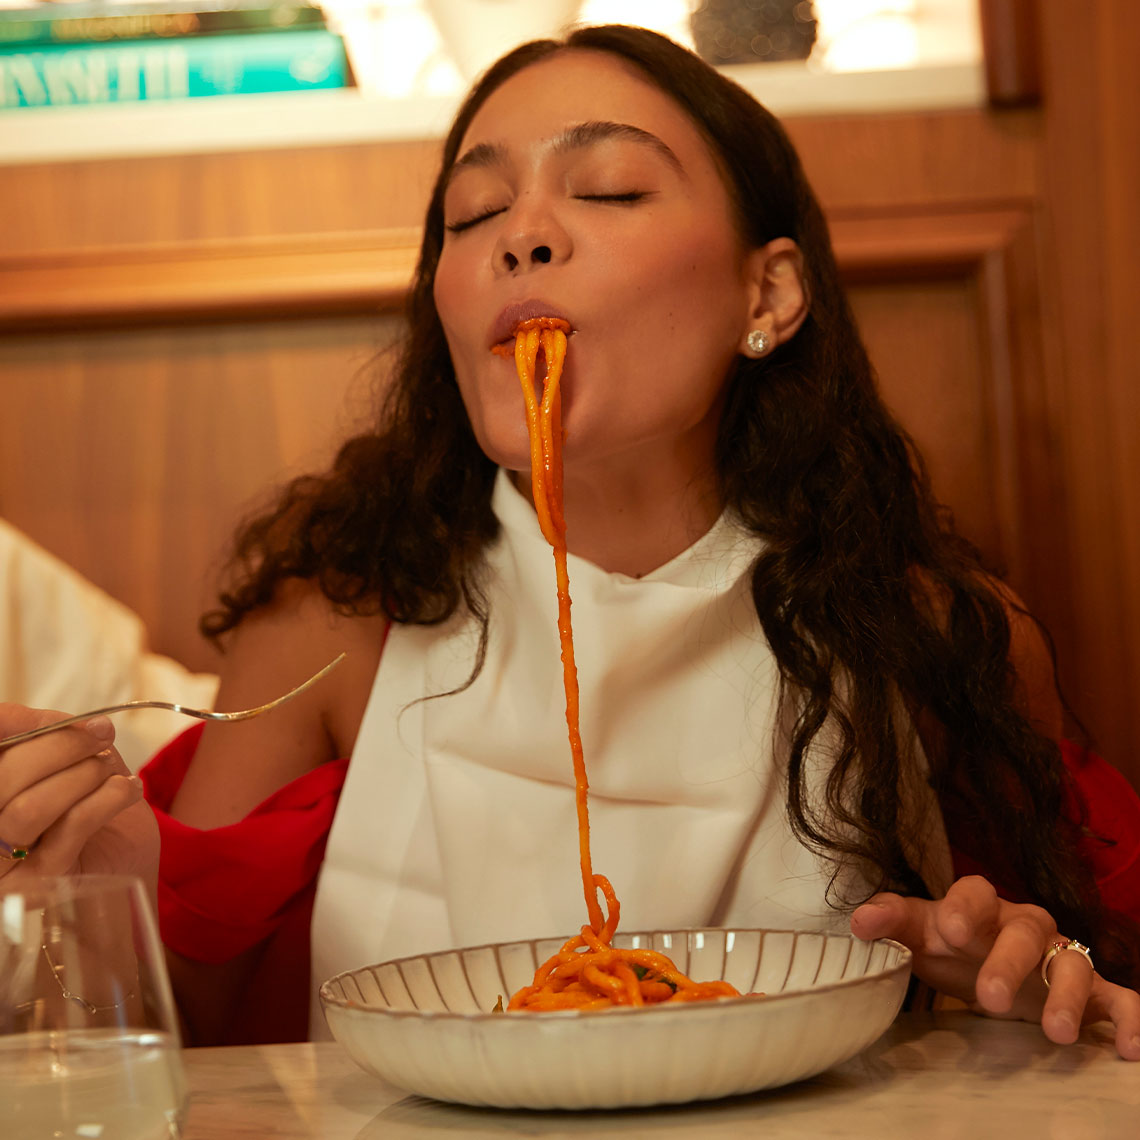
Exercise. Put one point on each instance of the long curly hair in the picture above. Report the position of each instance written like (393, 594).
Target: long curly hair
(879, 615)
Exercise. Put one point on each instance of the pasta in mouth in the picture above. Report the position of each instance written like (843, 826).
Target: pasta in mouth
(535, 338)
(588, 972)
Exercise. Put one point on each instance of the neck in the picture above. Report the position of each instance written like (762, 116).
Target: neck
(629, 517)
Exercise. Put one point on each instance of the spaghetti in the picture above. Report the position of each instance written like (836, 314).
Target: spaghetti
(588, 972)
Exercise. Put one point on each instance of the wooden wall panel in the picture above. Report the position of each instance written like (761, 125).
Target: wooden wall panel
(949, 309)
(131, 454)
(918, 161)
(68, 206)
(1091, 233)
(927, 346)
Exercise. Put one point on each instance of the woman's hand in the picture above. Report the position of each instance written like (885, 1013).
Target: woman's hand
(977, 947)
(69, 798)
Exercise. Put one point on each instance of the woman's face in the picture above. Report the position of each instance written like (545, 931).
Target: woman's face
(584, 192)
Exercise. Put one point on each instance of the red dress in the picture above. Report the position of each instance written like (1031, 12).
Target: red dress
(1111, 845)
(224, 891)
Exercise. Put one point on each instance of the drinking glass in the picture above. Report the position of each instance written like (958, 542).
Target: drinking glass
(89, 1045)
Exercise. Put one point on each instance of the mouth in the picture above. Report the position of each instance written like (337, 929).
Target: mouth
(528, 314)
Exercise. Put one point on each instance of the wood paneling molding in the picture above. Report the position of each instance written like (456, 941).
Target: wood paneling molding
(318, 274)
(923, 246)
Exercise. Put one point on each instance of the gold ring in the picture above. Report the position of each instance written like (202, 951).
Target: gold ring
(1056, 948)
(14, 852)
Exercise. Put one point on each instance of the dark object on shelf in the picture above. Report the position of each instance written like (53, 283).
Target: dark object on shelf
(753, 31)
(1010, 39)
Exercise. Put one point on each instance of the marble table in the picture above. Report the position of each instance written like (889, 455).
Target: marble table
(939, 1076)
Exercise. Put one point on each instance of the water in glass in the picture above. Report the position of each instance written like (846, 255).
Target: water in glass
(89, 1046)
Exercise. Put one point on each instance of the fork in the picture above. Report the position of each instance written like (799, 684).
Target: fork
(200, 714)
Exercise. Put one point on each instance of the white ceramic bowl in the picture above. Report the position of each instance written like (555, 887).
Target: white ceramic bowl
(424, 1024)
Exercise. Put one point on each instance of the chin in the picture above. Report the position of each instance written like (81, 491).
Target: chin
(508, 447)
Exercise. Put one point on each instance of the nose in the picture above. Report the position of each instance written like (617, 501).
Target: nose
(532, 238)
(539, 255)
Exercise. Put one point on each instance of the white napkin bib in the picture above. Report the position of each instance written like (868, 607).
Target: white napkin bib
(457, 825)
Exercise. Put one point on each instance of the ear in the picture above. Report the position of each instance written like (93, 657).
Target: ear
(777, 297)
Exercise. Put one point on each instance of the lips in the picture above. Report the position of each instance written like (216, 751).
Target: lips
(505, 324)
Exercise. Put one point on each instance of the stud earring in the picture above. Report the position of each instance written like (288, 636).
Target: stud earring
(758, 342)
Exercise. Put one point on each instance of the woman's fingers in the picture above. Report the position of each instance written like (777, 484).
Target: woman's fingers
(62, 843)
(967, 917)
(1071, 980)
(1121, 1007)
(974, 945)
(23, 765)
(52, 788)
(31, 812)
(972, 924)
(969, 911)
(888, 915)
(971, 943)
(1022, 934)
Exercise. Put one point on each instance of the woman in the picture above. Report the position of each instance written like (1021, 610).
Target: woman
(770, 612)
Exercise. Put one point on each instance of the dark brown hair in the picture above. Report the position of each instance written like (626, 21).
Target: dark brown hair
(878, 613)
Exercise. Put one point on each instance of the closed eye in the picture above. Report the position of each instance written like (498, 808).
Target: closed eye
(629, 196)
(467, 223)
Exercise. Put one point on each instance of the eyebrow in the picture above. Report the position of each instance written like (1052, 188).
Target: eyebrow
(578, 137)
(589, 134)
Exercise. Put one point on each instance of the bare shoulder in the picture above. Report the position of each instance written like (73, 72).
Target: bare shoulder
(274, 649)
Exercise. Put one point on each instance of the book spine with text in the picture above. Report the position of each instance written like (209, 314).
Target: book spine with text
(83, 24)
(137, 70)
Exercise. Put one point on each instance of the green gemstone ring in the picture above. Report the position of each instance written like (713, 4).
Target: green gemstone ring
(14, 852)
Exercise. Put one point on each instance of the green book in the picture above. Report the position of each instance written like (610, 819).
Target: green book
(74, 23)
(131, 71)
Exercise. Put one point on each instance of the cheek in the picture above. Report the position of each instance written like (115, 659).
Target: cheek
(462, 330)
(694, 273)
(460, 277)
(692, 296)
(690, 306)
(705, 268)
(446, 291)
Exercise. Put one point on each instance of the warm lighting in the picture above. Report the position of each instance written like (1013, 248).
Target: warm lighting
(670, 17)
(395, 48)
(876, 35)
(866, 35)
(397, 51)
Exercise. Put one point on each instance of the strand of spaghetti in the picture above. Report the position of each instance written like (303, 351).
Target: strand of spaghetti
(606, 984)
(613, 908)
(554, 350)
(546, 478)
(631, 984)
(547, 1002)
(526, 363)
